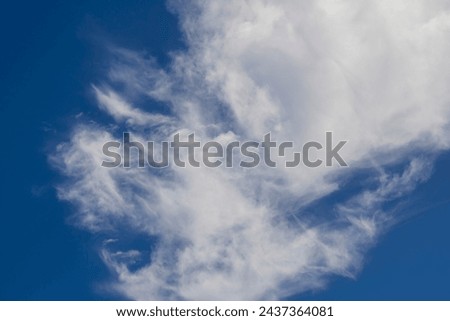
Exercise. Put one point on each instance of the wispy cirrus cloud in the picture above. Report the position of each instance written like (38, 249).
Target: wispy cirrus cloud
(121, 111)
(374, 73)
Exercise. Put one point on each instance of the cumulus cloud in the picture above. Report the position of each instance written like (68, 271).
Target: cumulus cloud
(373, 73)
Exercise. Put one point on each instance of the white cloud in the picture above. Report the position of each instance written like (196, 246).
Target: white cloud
(374, 73)
(120, 110)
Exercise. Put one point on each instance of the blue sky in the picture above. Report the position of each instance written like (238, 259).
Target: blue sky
(54, 51)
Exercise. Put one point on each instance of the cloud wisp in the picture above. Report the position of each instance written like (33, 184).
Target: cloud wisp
(373, 73)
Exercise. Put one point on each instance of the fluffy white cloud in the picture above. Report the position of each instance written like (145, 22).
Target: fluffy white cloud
(373, 73)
